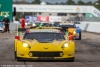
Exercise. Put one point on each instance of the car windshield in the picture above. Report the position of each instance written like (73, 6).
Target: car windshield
(57, 36)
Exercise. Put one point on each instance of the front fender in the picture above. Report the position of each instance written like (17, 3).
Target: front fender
(15, 42)
(18, 44)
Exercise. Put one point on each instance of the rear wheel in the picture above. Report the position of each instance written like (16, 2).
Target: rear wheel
(79, 36)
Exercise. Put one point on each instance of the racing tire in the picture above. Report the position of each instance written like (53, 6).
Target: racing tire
(79, 36)
(72, 59)
(15, 55)
(19, 59)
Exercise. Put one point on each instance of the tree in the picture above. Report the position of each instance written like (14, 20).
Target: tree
(56, 3)
(89, 3)
(70, 2)
(48, 3)
(36, 2)
(20, 2)
(24, 2)
(97, 4)
(80, 2)
(62, 3)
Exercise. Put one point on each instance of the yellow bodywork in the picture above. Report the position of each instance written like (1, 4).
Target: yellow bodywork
(35, 46)
(73, 31)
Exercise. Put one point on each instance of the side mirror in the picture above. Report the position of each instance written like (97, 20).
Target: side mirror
(17, 37)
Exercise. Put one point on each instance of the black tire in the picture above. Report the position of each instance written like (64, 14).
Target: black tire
(2, 32)
(80, 36)
(72, 59)
(19, 59)
(15, 55)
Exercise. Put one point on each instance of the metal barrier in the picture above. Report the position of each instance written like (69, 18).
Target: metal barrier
(94, 27)
(13, 26)
(90, 27)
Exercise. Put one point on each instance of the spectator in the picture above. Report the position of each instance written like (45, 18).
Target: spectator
(23, 22)
(6, 22)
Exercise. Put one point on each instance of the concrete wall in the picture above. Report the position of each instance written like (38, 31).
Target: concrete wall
(90, 26)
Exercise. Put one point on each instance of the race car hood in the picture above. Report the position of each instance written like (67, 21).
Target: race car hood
(46, 44)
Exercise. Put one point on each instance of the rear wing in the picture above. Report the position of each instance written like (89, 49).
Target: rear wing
(22, 29)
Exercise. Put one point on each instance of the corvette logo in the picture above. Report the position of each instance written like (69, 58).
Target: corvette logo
(45, 48)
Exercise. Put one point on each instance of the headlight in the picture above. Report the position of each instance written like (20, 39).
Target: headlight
(74, 32)
(33, 24)
(65, 45)
(25, 45)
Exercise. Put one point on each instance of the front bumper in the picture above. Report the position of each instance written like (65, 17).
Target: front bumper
(46, 55)
(28, 59)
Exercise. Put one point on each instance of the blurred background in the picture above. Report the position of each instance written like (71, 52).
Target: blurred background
(68, 16)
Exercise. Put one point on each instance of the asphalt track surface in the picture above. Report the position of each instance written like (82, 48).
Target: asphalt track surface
(87, 53)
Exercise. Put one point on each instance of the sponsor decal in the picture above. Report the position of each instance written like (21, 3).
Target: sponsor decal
(78, 9)
(6, 9)
(97, 13)
(43, 18)
(3, 13)
(31, 18)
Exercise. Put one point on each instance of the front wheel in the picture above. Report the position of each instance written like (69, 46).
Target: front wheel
(72, 59)
(15, 55)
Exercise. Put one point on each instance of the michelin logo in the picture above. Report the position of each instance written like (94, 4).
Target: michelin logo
(97, 13)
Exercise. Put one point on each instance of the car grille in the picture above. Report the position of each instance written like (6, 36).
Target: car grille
(46, 54)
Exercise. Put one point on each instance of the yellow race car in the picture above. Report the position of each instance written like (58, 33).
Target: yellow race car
(76, 31)
(43, 44)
